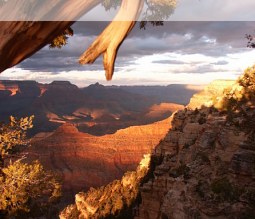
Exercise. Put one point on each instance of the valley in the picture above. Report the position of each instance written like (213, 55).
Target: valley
(95, 109)
(203, 168)
(91, 136)
(83, 160)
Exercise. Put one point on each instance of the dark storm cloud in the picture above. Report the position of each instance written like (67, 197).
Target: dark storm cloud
(89, 28)
(208, 38)
(216, 39)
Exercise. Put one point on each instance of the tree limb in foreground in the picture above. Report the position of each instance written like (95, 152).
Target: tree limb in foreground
(109, 41)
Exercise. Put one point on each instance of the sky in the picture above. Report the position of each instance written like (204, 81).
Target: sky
(186, 10)
(192, 10)
(183, 52)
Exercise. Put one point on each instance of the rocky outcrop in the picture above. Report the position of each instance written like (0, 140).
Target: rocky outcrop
(207, 159)
(111, 200)
(85, 160)
(11, 88)
(204, 167)
(24, 88)
(211, 94)
(193, 157)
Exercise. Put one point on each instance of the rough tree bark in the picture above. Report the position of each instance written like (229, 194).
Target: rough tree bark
(19, 40)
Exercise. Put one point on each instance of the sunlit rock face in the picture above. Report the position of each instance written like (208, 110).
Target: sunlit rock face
(25, 88)
(207, 159)
(85, 160)
(199, 166)
(109, 201)
(211, 94)
(10, 88)
(204, 167)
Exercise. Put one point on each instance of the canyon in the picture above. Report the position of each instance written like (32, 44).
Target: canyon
(204, 166)
(96, 109)
(93, 135)
(83, 160)
(202, 156)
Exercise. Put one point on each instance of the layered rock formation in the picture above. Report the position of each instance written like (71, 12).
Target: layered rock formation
(9, 88)
(111, 200)
(26, 88)
(96, 109)
(85, 160)
(204, 167)
(207, 158)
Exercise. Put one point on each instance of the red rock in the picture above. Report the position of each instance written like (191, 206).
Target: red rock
(85, 160)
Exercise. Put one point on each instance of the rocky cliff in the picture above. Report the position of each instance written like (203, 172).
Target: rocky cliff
(205, 166)
(24, 88)
(109, 201)
(211, 94)
(85, 160)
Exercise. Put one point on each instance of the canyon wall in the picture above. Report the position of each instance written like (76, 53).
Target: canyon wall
(85, 160)
(204, 167)
(207, 159)
(111, 200)
(96, 109)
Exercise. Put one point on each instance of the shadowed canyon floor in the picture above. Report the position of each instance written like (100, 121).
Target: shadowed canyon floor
(95, 109)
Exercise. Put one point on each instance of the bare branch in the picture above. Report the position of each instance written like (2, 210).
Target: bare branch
(21, 39)
(111, 38)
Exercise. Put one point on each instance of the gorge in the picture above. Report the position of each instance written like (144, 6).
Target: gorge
(204, 167)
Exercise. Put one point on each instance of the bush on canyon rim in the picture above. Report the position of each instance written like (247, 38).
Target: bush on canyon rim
(26, 189)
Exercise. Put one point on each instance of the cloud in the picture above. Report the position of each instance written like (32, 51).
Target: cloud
(171, 62)
(207, 38)
(214, 10)
(194, 10)
(176, 48)
(220, 62)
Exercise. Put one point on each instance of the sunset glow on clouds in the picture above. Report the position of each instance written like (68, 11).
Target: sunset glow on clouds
(178, 52)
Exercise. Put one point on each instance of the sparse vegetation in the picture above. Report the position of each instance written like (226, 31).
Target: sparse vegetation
(202, 120)
(251, 40)
(156, 12)
(108, 4)
(249, 196)
(26, 189)
(114, 200)
(187, 145)
(247, 214)
(13, 136)
(62, 39)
